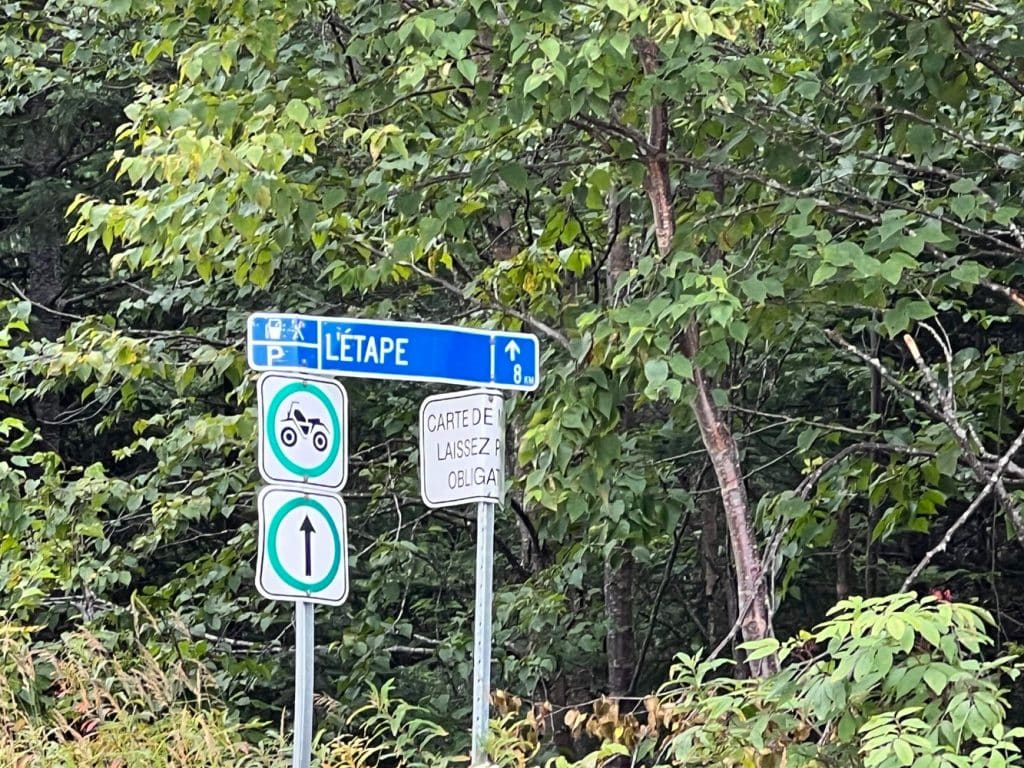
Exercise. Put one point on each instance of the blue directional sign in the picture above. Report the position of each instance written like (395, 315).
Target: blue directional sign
(390, 350)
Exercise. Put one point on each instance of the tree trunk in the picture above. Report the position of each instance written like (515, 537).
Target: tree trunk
(44, 263)
(619, 565)
(752, 594)
(44, 287)
(618, 609)
(716, 597)
(870, 547)
(843, 545)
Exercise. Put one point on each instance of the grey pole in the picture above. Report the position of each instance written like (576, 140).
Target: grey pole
(482, 631)
(303, 743)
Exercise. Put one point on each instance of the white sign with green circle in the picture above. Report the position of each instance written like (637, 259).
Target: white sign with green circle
(303, 552)
(303, 425)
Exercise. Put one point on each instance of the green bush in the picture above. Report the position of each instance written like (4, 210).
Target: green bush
(76, 704)
(887, 682)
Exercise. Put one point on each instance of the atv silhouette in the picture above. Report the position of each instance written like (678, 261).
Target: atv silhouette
(296, 424)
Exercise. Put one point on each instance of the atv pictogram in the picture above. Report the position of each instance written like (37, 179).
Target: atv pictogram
(296, 424)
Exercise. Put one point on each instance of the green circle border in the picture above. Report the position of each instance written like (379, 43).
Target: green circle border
(275, 560)
(275, 446)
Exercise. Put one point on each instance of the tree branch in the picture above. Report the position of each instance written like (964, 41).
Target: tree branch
(541, 327)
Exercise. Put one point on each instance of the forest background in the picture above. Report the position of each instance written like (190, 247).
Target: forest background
(772, 252)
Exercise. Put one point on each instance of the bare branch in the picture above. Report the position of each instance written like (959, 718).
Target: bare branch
(997, 473)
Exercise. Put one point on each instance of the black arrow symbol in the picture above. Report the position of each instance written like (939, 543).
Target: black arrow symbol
(307, 528)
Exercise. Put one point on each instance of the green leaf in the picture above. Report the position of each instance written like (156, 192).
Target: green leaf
(823, 273)
(550, 47)
(533, 82)
(754, 289)
(1005, 214)
(935, 680)
(865, 665)
(896, 628)
(467, 68)
(947, 459)
(963, 186)
(920, 140)
(760, 649)
(928, 631)
(896, 320)
(968, 272)
(515, 176)
(297, 111)
(903, 751)
(621, 7)
(656, 372)
(816, 11)
(681, 366)
(963, 206)
(919, 310)
(620, 42)
(702, 23)
(892, 268)
(912, 243)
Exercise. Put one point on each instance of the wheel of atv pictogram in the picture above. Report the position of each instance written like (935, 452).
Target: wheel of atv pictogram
(289, 436)
(320, 441)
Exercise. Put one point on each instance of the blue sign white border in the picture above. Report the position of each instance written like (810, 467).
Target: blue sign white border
(491, 333)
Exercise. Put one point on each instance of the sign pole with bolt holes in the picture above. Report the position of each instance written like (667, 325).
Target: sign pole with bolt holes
(482, 632)
(462, 459)
(303, 728)
(302, 555)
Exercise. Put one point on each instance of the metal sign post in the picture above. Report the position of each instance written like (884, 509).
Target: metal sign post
(303, 737)
(482, 632)
(303, 455)
(303, 539)
(462, 459)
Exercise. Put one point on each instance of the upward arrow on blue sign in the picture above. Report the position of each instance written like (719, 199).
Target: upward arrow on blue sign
(391, 350)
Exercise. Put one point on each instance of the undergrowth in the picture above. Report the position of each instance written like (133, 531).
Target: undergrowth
(890, 682)
(76, 705)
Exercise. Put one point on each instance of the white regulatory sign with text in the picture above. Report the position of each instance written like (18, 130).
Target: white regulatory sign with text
(461, 448)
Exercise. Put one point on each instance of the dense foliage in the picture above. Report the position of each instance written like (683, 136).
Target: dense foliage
(771, 252)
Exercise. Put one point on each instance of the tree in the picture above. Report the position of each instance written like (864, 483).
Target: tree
(770, 251)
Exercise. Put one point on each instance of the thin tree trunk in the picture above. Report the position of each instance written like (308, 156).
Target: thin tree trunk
(843, 545)
(618, 608)
(751, 590)
(44, 263)
(870, 547)
(716, 596)
(43, 288)
(619, 565)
